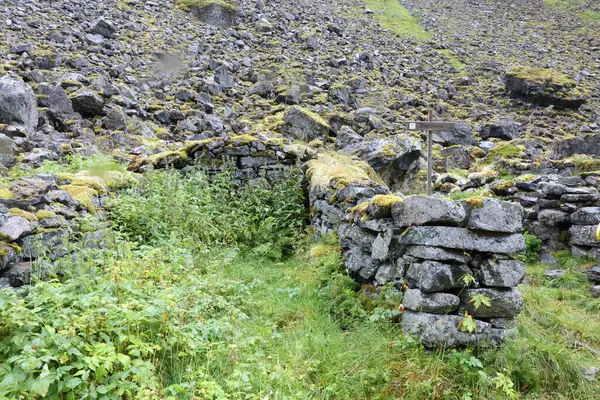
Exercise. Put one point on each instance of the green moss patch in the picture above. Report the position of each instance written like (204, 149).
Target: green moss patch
(187, 5)
(395, 18)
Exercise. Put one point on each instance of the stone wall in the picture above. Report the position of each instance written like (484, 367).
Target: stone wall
(39, 220)
(562, 211)
(428, 247)
(250, 156)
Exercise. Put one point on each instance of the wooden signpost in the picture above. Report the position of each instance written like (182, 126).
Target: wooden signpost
(430, 126)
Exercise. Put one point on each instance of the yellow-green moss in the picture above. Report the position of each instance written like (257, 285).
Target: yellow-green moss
(189, 4)
(82, 195)
(6, 194)
(475, 201)
(541, 75)
(17, 212)
(95, 182)
(344, 169)
(385, 200)
(45, 214)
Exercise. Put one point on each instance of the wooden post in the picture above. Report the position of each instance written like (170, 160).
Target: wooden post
(429, 155)
(430, 126)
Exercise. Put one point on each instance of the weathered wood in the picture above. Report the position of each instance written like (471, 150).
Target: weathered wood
(434, 126)
(429, 154)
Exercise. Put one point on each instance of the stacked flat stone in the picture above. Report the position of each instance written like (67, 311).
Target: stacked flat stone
(427, 246)
(26, 234)
(329, 205)
(446, 241)
(251, 157)
(557, 208)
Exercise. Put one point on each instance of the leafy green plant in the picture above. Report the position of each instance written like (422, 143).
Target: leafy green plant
(191, 207)
(534, 246)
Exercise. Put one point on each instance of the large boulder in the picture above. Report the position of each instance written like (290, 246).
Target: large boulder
(60, 106)
(304, 124)
(18, 105)
(461, 134)
(462, 238)
(87, 103)
(505, 129)
(421, 210)
(219, 13)
(544, 86)
(392, 157)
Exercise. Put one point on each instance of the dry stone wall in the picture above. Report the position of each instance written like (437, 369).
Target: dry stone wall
(564, 212)
(442, 253)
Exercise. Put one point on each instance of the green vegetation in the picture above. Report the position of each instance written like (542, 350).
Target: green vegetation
(458, 66)
(395, 18)
(189, 4)
(542, 75)
(194, 297)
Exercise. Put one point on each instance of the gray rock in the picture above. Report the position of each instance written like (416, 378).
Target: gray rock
(360, 266)
(435, 303)
(462, 134)
(552, 217)
(263, 89)
(18, 105)
(462, 238)
(433, 276)
(104, 28)
(496, 216)
(437, 254)
(548, 259)
(8, 255)
(589, 373)
(352, 236)
(501, 272)
(87, 103)
(551, 190)
(595, 291)
(19, 274)
(541, 231)
(7, 145)
(115, 120)
(505, 129)
(554, 273)
(443, 330)
(215, 14)
(593, 274)
(305, 125)
(60, 105)
(51, 244)
(386, 247)
(421, 210)
(584, 235)
(392, 158)
(505, 303)
(15, 227)
(543, 92)
(30, 188)
(387, 273)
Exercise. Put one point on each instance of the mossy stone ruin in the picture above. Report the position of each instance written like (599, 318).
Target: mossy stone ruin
(443, 254)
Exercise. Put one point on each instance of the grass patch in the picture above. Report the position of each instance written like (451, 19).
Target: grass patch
(395, 18)
(167, 311)
(458, 66)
